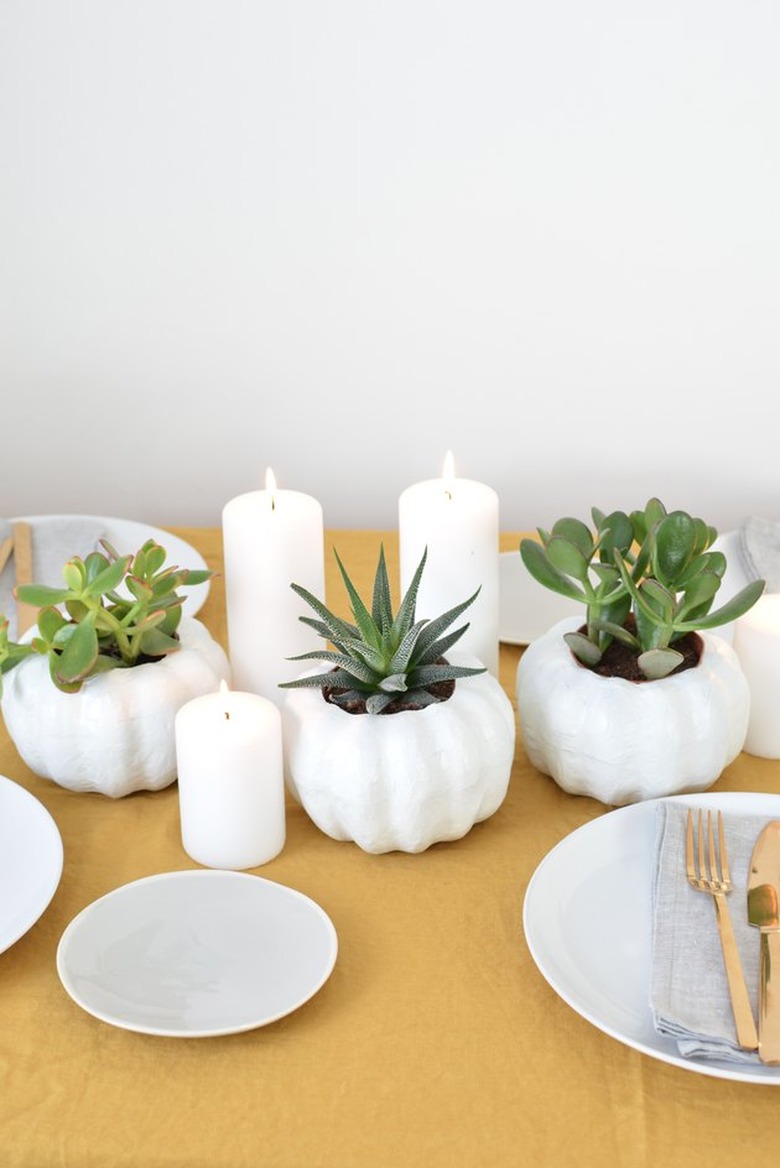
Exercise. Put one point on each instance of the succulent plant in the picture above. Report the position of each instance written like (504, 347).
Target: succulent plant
(654, 565)
(88, 626)
(382, 658)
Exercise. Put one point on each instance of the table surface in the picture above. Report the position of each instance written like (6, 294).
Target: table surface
(435, 1041)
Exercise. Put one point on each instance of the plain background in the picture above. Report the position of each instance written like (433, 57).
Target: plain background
(338, 237)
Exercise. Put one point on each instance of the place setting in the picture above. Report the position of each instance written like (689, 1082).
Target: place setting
(393, 733)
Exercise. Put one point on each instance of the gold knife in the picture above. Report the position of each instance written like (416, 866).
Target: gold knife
(26, 614)
(763, 910)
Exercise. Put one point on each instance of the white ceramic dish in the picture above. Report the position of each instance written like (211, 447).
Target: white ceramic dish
(587, 917)
(195, 954)
(30, 861)
(526, 609)
(128, 535)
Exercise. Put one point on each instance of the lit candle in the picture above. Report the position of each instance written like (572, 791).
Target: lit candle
(231, 785)
(272, 539)
(457, 520)
(757, 645)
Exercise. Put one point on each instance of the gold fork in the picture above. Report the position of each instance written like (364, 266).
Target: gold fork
(707, 875)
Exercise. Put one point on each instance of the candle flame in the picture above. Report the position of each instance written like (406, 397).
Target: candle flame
(270, 486)
(224, 691)
(448, 473)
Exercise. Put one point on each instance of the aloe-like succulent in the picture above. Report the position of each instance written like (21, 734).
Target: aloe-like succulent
(655, 565)
(382, 658)
(89, 627)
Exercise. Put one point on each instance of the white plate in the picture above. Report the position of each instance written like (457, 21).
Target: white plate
(30, 861)
(195, 954)
(587, 917)
(128, 535)
(526, 608)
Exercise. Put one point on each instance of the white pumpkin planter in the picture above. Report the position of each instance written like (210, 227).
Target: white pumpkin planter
(620, 741)
(116, 735)
(400, 782)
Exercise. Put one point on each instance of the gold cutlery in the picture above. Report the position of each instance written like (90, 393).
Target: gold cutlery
(709, 872)
(21, 543)
(763, 913)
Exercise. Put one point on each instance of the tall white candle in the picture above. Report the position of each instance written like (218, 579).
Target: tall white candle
(757, 645)
(457, 520)
(272, 539)
(231, 785)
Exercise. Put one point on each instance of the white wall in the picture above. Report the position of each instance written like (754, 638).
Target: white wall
(338, 237)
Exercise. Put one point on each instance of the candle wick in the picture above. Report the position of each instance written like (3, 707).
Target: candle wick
(273, 502)
(448, 494)
(227, 716)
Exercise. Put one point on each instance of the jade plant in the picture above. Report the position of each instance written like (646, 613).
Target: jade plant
(646, 579)
(383, 658)
(90, 626)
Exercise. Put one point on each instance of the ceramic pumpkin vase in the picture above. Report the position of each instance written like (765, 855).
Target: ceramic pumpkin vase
(116, 735)
(402, 781)
(620, 741)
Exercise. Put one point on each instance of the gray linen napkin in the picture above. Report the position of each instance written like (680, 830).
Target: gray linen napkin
(55, 539)
(689, 993)
(759, 546)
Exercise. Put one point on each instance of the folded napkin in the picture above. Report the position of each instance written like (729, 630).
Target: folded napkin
(55, 539)
(759, 546)
(689, 993)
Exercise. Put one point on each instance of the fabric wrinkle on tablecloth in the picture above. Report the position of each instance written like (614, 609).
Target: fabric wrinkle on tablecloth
(689, 993)
(55, 540)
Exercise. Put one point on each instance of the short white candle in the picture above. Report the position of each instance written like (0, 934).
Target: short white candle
(457, 520)
(757, 645)
(231, 785)
(272, 539)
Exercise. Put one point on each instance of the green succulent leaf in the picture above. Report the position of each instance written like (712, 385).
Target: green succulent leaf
(79, 652)
(657, 663)
(573, 531)
(39, 595)
(382, 658)
(567, 558)
(543, 570)
(583, 648)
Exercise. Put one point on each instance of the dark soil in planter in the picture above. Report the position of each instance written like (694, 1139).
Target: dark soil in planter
(620, 660)
(441, 690)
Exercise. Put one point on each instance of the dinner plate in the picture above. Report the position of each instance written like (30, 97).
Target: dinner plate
(30, 861)
(128, 535)
(195, 954)
(587, 917)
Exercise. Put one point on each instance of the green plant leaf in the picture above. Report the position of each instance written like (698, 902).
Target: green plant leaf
(583, 648)
(545, 573)
(574, 531)
(734, 608)
(79, 653)
(381, 603)
(567, 558)
(39, 595)
(675, 541)
(107, 579)
(363, 618)
(657, 663)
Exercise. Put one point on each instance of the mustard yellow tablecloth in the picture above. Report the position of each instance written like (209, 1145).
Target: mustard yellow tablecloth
(435, 1042)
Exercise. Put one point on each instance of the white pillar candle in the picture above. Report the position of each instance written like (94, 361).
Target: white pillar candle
(272, 539)
(757, 645)
(457, 520)
(231, 785)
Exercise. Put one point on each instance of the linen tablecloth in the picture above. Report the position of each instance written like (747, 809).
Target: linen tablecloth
(436, 1042)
